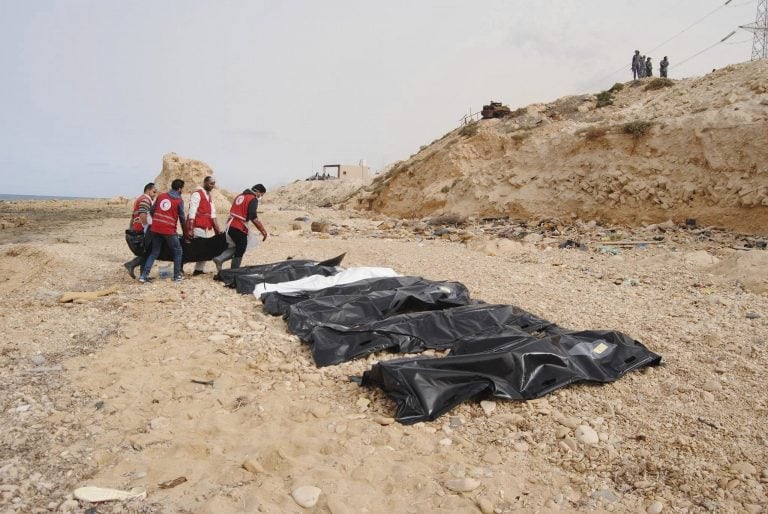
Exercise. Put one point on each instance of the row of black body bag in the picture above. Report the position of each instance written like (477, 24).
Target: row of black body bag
(498, 351)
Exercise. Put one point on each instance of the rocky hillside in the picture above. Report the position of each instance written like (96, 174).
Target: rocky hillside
(644, 152)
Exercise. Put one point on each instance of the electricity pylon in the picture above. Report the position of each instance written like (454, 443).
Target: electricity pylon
(760, 30)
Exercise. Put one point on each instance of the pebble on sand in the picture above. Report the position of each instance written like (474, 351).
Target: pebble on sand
(485, 505)
(712, 386)
(655, 507)
(744, 467)
(586, 435)
(488, 407)
(384, 421)
(253, 466)
(306, 495)
(462, 485)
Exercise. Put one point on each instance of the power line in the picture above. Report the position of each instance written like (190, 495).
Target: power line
(676, 35)
(706, 49)
(690, 26)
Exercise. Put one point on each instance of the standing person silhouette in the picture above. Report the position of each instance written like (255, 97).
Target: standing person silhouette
(167, 211)
(663, 65)
(244, 209)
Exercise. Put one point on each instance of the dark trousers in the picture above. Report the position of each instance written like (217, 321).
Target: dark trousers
(240, 239)
(172, 240)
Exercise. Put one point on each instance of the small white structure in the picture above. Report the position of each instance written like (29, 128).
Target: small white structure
(348, 171)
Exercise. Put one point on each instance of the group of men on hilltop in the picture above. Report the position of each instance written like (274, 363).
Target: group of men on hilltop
(156, 218)
(642, 67)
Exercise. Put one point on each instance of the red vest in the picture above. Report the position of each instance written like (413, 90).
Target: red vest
(136, 220)
(203, 218)
(239, 211)
(166, 214)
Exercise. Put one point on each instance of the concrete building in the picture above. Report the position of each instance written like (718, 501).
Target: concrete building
(348, 171)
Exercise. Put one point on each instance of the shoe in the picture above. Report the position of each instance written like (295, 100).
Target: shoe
(178, 279)
(197, 272)
(130, 267)
(143, 280)
(218, 266)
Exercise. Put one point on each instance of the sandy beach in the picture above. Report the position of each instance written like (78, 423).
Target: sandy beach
(106, 391)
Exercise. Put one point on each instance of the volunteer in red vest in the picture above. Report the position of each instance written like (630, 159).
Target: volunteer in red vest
(244, 210)
(140, 220)
(202, 216)
(167, 211)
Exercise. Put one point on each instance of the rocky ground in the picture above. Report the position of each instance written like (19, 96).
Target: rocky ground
(148, 384)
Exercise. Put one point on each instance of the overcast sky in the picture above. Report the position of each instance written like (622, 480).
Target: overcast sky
(95, 92)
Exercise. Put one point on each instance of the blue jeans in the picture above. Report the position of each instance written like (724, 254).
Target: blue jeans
(173, 243)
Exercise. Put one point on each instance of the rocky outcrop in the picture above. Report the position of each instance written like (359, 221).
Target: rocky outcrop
(192, 172)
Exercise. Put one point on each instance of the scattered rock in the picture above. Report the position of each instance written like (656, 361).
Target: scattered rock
(572, 423)
(306, 495)
(744, 468)
(655, 507)
(607, 495)
(320, 410)
(485, 505)
(752, 315)
(319, 226)
(586, 435)
(217, 338)
(384, 421)
(462, 485)
(488, 407)
(492, 456)
(712, 385)
(253, 466)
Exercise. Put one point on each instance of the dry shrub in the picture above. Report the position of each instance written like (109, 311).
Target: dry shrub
(469, 130)
(604, 99)
(637, 128)
(518, 112)
(659, 83)
(616, 87)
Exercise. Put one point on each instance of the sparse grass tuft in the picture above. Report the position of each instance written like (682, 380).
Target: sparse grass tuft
(616, 87)
(637, 128)
(604, 99)
(659, 83)
(469, 130)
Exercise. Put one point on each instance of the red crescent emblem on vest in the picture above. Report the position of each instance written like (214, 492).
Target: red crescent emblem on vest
(165, 204)
(239, 200)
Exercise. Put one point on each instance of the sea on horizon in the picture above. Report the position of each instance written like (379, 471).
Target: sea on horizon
(9, 197)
